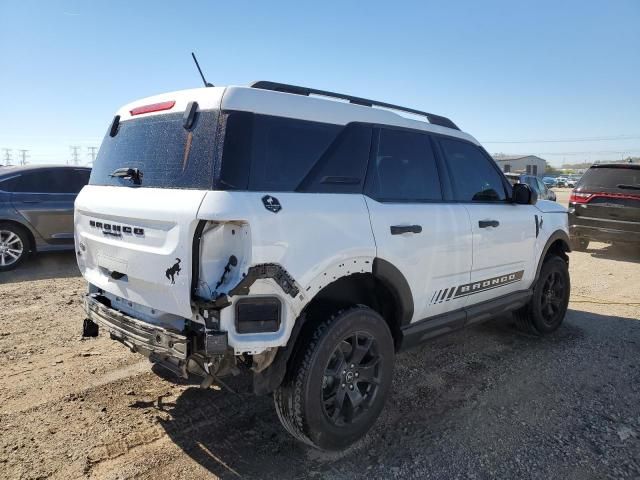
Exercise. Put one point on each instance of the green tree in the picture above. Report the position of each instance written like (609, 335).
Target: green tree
(550, 169)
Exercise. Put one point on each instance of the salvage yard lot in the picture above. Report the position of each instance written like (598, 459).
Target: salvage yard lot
(484, 402)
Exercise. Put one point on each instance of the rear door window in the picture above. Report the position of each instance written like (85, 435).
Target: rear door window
(284, 150)
(268, 153)
(78, 179)
(474, 177)
(48, 181)
(403, 168)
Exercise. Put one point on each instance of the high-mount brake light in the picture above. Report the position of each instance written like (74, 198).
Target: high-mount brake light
(154, 107)
(579, 197)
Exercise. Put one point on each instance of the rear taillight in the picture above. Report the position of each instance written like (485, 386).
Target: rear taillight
(580, 197)
(154, 107)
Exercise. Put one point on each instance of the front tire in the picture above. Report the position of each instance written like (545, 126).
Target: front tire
(14, 246)
(548, 305)
(337, 384)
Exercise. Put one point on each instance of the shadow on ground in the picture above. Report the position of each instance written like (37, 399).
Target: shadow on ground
(42, 266)
(620, 253)
(485, 401)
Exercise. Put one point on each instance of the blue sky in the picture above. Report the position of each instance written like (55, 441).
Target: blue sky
(505, 71)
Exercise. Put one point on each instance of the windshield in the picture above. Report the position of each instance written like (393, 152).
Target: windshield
(166, 154)
(611, 178)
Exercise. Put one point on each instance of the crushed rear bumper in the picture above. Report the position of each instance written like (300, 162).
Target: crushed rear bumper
(142, 337)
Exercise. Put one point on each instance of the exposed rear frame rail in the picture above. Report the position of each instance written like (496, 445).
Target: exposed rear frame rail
(285, 88)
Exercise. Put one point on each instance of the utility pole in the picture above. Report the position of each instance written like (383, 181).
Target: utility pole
(75, 156)
(7, 156)
(92, 153)
(23, 157)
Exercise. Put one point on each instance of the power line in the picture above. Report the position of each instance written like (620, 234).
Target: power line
(591, 152)
(23, 156)
(92, 153)
(75, 158)
(570, 140)
(7, 156)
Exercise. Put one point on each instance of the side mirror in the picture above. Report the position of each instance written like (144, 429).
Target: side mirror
(522, 194)
(552, 196)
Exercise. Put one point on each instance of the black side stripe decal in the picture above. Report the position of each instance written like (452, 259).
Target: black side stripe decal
(467, 289)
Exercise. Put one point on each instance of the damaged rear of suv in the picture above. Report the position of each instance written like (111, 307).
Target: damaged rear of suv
(264, 230)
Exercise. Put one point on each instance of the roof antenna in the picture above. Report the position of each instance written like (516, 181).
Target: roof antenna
(206, 84)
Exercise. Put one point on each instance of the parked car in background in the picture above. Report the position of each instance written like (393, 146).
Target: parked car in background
(561, 182)
(36, 210)
(549, 181)
(537, 185)
(605, 206)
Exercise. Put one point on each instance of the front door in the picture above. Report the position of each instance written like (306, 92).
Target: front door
(427, 240)
(504, 234)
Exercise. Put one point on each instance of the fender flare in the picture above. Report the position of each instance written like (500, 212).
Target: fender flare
(394, 280)
(555, 236)
(268, 380)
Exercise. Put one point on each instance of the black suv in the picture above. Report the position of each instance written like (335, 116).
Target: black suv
(36, 210)
(605, 206)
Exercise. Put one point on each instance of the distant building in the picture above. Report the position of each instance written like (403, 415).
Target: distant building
(529, 164)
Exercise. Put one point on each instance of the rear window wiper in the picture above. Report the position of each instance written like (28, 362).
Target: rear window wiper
(628, 187)
(133, 174)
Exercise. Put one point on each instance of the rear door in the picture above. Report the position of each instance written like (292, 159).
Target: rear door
(504, 233)
(428, 240)
(44, 197)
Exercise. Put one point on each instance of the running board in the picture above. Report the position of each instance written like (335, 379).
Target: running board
(418, 332)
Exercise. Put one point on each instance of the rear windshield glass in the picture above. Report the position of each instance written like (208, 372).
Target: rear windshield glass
(167, 154)
(618, 178)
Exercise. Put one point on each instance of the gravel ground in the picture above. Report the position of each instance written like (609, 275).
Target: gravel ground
(481, 403)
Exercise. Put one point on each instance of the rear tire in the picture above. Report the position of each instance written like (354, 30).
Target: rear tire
(548, 305)
(14, 246)
(337, 384)
(579, 244)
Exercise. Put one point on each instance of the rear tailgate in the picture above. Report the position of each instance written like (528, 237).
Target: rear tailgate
(610, 195)
(141, 249)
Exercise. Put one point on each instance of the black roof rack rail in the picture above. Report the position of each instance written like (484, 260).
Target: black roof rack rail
(283, 87)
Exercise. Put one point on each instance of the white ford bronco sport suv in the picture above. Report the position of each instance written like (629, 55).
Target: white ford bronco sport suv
(305, 237)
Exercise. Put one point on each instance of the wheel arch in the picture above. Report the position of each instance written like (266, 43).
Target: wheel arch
(25, 228)
(557, 244)
(384, 290)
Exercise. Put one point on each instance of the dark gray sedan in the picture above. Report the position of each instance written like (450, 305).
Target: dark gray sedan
(36, 210)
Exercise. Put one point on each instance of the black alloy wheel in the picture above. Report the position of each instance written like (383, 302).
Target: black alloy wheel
(548, 305)
(351, 379)
(337, 380)
(552, 298)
